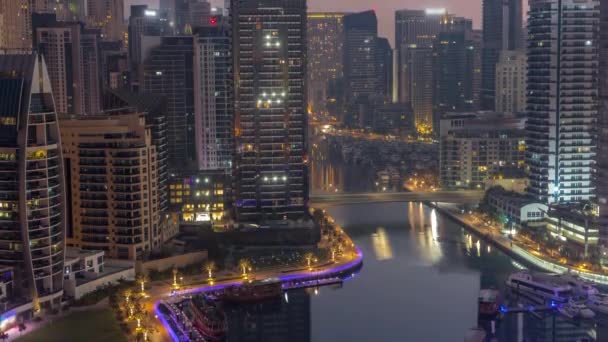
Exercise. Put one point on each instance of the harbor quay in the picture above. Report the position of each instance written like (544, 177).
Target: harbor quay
(514, 247)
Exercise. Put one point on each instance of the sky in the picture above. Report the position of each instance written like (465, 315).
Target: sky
(385, 9)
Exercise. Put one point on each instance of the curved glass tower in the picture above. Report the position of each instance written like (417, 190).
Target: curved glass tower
(32, 224)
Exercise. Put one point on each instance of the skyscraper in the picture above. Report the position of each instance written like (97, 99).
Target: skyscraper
(511, 81)
(32, 196)
(213, 98)
(414, 29)
(145, 29)
(362, 74)
(325, 41)
(415, 33)
(168, 71)
(72, 57)
(453, 64)
(562, 99)
(106, 15)
(269, 47)
(502, 30)
(602, 136)
(15, 17)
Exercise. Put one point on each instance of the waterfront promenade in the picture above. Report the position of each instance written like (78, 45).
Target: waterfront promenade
(345, 267)
(516, 247)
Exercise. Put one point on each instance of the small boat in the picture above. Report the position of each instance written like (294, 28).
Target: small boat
(576, 309)
(489, 304)
(598, 303)
(540, 285)
(208, 318)
(256, 291)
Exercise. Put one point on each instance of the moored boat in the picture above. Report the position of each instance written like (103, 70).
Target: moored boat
(256, 291)
(208, 318)
(489, 303)
(598, 303)
(540, 285)
(576, 309)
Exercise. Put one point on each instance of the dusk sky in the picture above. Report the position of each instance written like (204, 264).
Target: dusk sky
(385, 9)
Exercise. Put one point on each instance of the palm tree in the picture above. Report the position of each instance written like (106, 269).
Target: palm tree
(245, 266)
(127, 294)
(309, 258)
(210, 267)
(142, 279)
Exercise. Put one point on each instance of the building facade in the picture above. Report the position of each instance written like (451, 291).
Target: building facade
(475, 145)
(325, 41)
(511, 82)
(214, 98)
(562, 99)
(168, 71)
(112, 169)
(415, 33)
(32, 197)
(601, 179)
(502, 30)
(271, 171)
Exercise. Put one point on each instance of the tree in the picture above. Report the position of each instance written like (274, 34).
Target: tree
(245, 266)
(210, 268)
(142, 279)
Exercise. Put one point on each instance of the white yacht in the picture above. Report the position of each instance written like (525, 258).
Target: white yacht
(540, 285)
(598, 303)
(580, 286)
(576, 309)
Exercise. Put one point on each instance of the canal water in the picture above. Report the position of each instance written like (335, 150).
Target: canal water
(420, 281)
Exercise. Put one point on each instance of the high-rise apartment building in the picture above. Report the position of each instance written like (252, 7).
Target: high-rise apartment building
(511, 82)
(269, 47)
(168, 71)
(112, 169)
(213, 98)
(502, 30)
(414, 29)
(72, 57)
(360, 34)
(325, 41)
(415, 33)
(32, 199)
(107, 16)
(16, 32)
(146, 25)
(562, 99)
(453, 65)
(601, 180)
(190, 14)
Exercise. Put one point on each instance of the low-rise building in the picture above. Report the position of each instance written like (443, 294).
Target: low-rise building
(513, 208)
(573, 223)
(198, 196)
(474, 145)
(87, 271)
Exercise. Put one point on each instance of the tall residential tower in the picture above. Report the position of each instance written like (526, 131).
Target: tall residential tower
(562, 99)
(269, 47)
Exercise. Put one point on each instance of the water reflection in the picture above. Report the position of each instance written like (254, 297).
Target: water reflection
(272, 321)
(382, 245)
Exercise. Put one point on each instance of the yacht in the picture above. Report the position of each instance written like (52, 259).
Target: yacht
(598, 303)
(576, 309)
(540, 285)
(580, 286)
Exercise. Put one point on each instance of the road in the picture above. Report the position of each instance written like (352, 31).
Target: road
(459, 197)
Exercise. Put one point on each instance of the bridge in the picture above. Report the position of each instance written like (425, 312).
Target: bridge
(459, 197)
